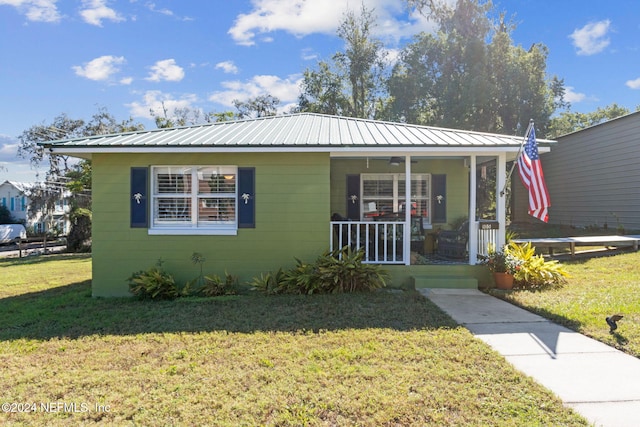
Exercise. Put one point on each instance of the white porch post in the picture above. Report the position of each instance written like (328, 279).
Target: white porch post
(407, 211)
(473, 227)
(501, 204)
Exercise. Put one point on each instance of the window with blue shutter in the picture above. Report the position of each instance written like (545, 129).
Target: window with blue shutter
(246, 198)
(438, 196)
(193, 199)
(139, 198)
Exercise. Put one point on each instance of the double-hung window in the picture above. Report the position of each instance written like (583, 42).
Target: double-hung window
(384, 195)
(194, 200)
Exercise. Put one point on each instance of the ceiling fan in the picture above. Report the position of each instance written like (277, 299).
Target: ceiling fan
(396, 160)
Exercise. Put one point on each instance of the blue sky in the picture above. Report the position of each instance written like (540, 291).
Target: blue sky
(73, 57)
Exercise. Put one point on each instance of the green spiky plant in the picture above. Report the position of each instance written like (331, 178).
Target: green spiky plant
(533, 270)
(154, 283)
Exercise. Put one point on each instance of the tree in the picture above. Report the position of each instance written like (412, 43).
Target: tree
(568, 121)
(67, 178)
(323, 92)
(260, 106)
(352, 82)
(5, 216)
(469, 75)
(187, 116)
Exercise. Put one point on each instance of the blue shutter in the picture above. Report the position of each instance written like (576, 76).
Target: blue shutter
(439, 188)
(139, 200)
(246, 198)
(353, 197)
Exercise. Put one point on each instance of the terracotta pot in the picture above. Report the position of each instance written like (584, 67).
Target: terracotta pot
(503, 280)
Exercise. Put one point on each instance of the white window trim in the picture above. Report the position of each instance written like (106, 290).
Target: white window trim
(192, 228)
(397, 197)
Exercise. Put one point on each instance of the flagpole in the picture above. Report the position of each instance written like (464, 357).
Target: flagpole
(526, 135)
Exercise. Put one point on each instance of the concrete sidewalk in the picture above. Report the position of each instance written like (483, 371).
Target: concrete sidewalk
(597, 381)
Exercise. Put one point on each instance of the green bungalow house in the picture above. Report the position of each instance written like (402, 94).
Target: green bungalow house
(253, 195)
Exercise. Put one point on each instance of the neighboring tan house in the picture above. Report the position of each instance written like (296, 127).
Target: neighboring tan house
(253, 195)
(593, 177)
(16, 197)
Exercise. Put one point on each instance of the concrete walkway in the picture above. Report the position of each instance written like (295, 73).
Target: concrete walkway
(597, 381)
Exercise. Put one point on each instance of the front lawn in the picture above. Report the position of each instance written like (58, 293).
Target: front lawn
(597, 287)
(366, 359)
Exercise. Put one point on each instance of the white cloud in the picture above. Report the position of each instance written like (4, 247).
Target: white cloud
(36, 10)
(309, 54)
(163, 11)
(633, 84)
(592, 38)
(571, 96)
(95, 11)
(166, 70)
(303, 17)
(228, 67)
(8, 150)
(286, 90)
(101, 68)
(126, 81)
(158, 101)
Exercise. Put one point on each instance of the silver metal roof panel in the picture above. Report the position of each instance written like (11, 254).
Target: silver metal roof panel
(296, 130)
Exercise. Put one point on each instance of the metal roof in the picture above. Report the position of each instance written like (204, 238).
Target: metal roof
(304, 131)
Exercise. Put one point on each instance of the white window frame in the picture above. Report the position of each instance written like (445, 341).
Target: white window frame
(193, 225)
(398, 196)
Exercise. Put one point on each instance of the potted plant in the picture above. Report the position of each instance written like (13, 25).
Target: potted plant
(503, 265)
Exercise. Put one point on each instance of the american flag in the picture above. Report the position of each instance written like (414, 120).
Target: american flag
(530, 170)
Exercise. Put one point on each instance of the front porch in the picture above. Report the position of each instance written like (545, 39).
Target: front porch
(369, 208)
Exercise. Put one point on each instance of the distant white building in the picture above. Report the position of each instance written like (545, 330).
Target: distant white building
(16, 197)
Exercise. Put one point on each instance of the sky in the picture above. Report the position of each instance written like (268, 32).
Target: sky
(132, 56)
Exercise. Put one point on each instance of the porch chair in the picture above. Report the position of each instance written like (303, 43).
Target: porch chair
(453, 243)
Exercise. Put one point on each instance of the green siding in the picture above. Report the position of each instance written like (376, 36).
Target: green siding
(457, 181)
(292, 217)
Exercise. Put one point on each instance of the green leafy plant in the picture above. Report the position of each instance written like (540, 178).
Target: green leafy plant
(269, 283)
(343, 271)
(533, 270)
(194, 286)
(502, 261)
(337, 271)
(154, 283)
(215, 286)
(302, 279)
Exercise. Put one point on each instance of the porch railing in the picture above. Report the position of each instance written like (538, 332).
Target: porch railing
(382, 241)
(487, 236)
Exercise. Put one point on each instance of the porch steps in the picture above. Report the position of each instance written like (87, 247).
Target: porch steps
(444, 281)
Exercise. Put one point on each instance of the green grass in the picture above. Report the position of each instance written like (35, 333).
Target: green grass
(380, 359)
(597, 288)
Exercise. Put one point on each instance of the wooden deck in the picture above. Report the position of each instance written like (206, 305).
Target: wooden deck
(572, 242)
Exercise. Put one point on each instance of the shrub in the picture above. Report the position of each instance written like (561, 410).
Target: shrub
(209, 286)
(341, 270)
(500, 261)
(269, 283)
(533, 270)
(154, 283)
(215, 286)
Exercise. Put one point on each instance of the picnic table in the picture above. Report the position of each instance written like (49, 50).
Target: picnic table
(572, 242)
